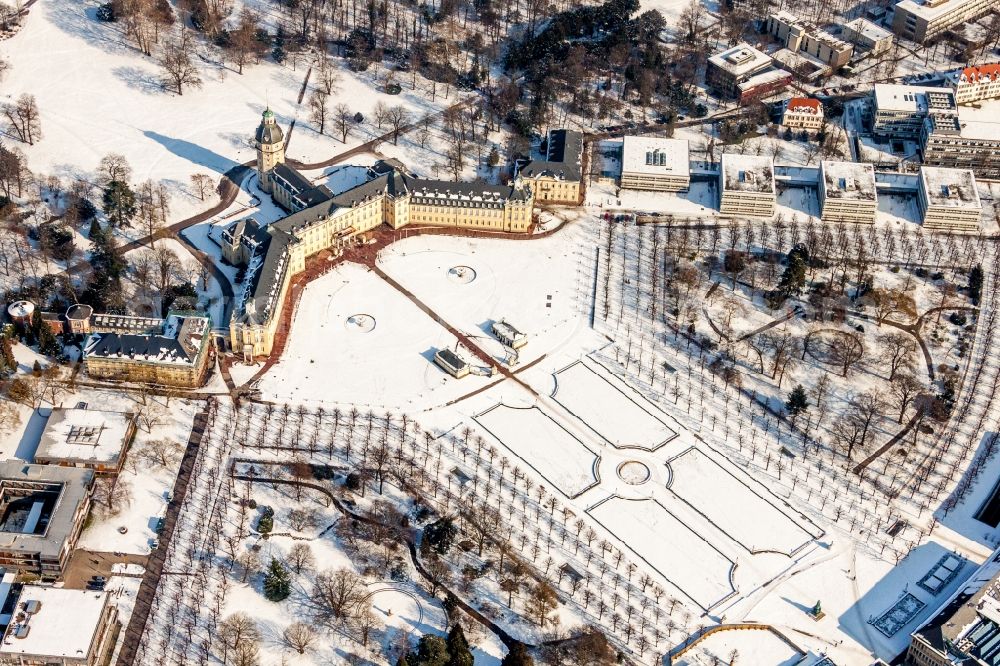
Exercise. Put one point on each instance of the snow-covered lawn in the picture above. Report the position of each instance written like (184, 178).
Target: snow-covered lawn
(531, 434)
(618, 414)
(761, 646)
(740, 511)
(535, 285)
(357, 340)
(669, 546)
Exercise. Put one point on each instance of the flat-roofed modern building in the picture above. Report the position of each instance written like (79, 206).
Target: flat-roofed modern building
(60, 627)
(650, 163)
(452, 363)
(949, 199)
(728, 69)
(746, 186)
(922, 20)
(847, 192)
(42, 509)
(91, 438)
(798, 35)
(869, 36)
(962, 142)
(900, 110)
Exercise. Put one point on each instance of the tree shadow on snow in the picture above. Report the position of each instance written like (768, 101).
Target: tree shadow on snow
(192, 152)
(139, 79)
(75, 20)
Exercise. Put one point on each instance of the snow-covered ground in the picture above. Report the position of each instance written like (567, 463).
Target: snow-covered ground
(97, 94)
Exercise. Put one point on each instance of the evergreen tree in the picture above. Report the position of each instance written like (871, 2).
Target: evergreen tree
(7, 354)
(518, 656)
(794, 277)
(277, 585)
(119, 204)
(431, 651)
(403, 659)
(459, 653)
(48, 343)
(36, 369)
(797, 403)
(975, 284)
(440, 535)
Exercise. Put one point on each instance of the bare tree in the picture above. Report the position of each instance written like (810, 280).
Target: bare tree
(23, 120)
(179, 69)
(111, 496)
(202, 184)
(397, 117)
(336, 594)
(114, 167)
(327, 76)
(319, 111)
(300, 557)
(903, 390)
(343, 119)
(299, 636)
(898, 351)
(846, 350)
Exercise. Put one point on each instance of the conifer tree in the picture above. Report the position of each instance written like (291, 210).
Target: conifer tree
(277, 585)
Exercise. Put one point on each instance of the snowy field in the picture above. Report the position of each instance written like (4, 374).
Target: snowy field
(670, 547)
(536, 285)
(737, 509)
(357, 340)
(619, 415)
(562, 459)
(761, 646)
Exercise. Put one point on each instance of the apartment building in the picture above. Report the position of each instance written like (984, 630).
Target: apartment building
(557, 178)
(900, 110)
(746, 186)
(923, 20)
(949, 199)
(42, 511)
(962, 143)
(973, 84)
(319, 220)
(798, 35)
(728, 69)
(868, 36)
(803, 113)
(847, 192)
(650, 163)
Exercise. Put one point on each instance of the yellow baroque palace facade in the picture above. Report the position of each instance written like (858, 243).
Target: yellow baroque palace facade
(321, 220)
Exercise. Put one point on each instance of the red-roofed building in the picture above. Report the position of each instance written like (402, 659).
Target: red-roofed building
(975, 83)
(803, 113)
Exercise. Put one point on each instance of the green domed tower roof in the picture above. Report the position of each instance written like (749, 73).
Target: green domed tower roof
(268, 131)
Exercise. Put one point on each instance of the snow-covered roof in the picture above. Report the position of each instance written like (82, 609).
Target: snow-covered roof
(976, 74)
(916, 99)
(868, 29)
(84, 435)
(740, 59)
(62, 627)
(954, 188)
(21, 309)
(747, 173)
(764, 78)
(650, 155)
(848, 180)
(932, 9)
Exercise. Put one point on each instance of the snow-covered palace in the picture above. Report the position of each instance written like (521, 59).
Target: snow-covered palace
(321, 220)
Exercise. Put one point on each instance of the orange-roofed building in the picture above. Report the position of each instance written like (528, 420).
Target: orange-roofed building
(975, 83)
(803, 113)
